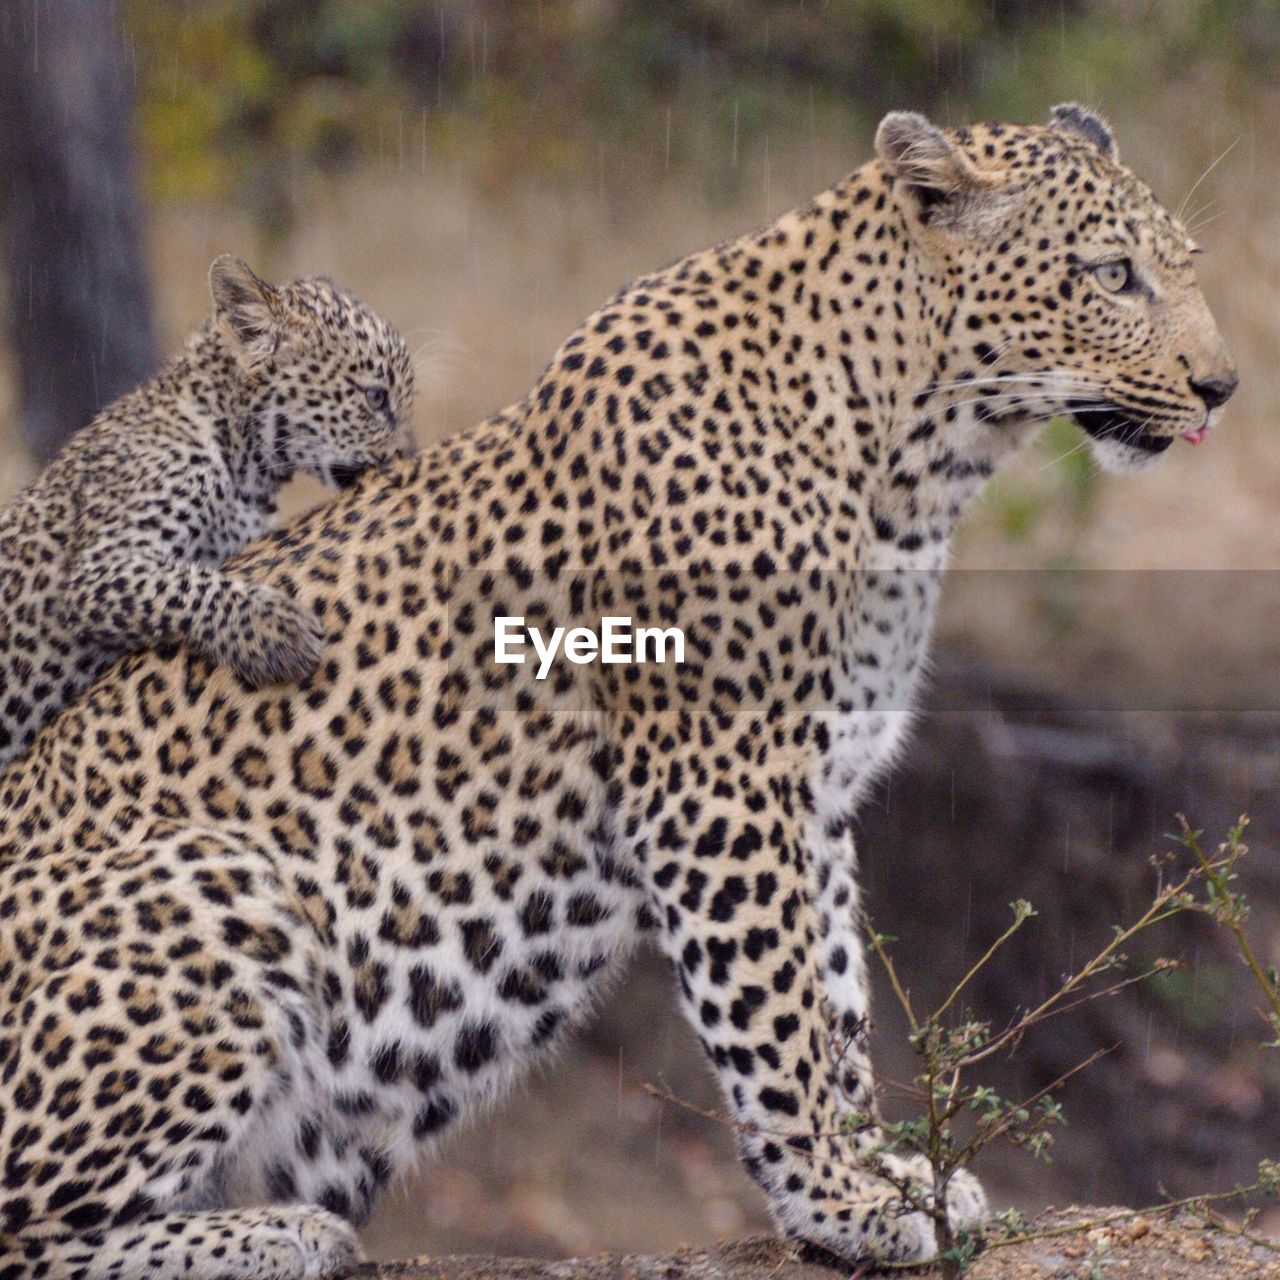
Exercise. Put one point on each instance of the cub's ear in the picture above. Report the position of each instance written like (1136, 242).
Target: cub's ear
(247, 305)
(946, 188)
(1071, 117)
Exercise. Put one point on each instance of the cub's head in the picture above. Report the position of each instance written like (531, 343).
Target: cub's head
(330, 382)
(1064, 286)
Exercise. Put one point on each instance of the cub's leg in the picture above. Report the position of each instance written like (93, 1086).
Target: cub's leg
(732, 887)
(161, 1022)
(295, 1242)
(138, 600)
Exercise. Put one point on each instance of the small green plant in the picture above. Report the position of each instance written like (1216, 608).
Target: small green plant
(1228, 907)
(951, 1040)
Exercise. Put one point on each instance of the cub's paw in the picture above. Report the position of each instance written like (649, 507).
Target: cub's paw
(276, 641)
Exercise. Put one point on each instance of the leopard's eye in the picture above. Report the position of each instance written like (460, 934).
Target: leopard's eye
(377, 398)
(1114, 277)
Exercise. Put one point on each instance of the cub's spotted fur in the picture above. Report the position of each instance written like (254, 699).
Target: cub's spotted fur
(116, 546)
(265, 949)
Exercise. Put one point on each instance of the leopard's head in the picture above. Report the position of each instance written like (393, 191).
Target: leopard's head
(1063, 285)
(330, 382)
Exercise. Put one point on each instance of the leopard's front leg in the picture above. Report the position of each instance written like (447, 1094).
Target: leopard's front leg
(842, 954)
(741, 925)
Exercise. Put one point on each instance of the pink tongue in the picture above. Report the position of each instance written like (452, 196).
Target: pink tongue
(1196, 436)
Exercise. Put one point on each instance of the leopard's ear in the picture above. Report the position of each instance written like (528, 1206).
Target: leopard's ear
(247, 305)
(1071, 117)
(941, 185)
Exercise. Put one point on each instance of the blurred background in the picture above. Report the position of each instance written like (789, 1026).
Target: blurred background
(486, 172)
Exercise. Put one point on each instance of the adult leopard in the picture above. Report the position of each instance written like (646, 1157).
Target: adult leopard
(260, 949)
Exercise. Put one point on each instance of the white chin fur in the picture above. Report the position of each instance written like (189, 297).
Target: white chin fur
(1123, 459)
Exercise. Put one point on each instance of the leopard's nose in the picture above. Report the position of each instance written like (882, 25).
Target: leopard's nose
(1216, 389)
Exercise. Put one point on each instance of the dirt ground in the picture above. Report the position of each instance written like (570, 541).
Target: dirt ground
(1072, 1244)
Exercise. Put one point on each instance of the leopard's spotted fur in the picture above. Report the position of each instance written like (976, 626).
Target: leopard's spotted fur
(266, 949)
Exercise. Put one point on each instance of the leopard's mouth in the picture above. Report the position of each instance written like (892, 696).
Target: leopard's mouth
(1111, 423)
(345, 476)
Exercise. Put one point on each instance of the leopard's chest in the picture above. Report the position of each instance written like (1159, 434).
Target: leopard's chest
(889, 621)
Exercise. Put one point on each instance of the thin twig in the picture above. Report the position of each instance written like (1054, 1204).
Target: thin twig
(1218, 874)
(1020, 918)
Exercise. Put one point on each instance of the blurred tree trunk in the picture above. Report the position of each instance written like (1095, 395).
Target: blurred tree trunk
(79, 300)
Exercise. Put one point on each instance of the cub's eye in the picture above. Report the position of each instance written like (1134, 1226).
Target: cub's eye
(1114, 277)
(377, 398)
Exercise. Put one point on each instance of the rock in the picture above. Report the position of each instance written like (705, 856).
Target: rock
(761, 1258)
(1087, 1244)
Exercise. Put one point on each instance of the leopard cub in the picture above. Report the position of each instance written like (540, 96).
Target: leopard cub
(116, 547)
